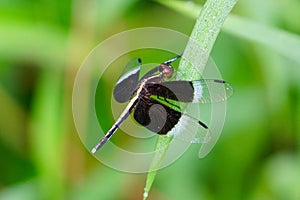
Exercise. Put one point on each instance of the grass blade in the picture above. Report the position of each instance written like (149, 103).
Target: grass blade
(205, 32)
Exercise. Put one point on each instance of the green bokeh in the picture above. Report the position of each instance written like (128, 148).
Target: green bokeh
(43, 43)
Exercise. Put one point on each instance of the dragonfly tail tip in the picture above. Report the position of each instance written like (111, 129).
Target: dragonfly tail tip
(94, 150)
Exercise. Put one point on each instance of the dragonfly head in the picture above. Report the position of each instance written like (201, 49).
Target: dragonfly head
(166, 70)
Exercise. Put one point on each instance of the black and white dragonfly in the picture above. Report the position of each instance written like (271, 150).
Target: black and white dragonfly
(154, 100)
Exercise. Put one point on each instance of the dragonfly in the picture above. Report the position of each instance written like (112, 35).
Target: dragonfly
(154, 99)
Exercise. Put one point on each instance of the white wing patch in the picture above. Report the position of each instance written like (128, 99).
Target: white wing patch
(198, 91)
(179, 127)
(190, 130)
(128, 74)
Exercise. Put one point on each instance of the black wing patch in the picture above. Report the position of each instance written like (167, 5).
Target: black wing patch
(128, 82)
(155, 116)
(182, 91)
(199, 91)
(164, 120)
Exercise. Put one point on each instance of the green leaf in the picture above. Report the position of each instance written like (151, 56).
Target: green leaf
(204, 34)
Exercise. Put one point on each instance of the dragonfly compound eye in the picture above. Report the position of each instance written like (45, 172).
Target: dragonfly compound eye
(167, 71)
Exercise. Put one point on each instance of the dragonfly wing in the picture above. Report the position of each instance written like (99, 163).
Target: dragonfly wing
(164, 120)
(190, 130)
(156, 117)
(211, 91)
(128, 82)
(199, 91)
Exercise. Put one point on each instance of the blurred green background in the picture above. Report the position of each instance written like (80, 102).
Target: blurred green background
(43, 43)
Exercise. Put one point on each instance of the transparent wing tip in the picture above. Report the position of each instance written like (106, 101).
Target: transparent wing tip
(228, 89)
(203, 138)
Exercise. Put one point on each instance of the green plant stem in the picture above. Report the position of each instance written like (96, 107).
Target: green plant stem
(161, 149)
(203, 36)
